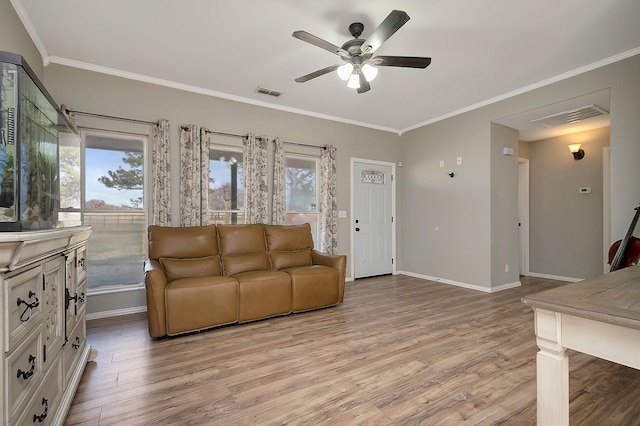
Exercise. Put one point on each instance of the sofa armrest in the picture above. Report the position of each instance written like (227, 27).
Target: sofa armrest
(155, 283)
(338, 261)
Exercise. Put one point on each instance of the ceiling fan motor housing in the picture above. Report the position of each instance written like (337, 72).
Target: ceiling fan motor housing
(356, 29)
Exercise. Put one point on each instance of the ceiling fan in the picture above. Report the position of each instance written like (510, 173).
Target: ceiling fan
(359, 66)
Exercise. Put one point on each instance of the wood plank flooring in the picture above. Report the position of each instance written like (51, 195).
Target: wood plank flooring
(399, 351)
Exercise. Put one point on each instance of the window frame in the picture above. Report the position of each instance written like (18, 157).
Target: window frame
(144, 140)
(316, 212)
(238, 212)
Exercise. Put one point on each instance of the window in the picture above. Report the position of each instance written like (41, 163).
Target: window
(226, 197)
(301, 192)
(102, 185)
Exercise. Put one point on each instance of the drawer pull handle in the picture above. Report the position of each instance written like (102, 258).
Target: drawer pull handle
(28, 306)
(42, 416)
(76, 345)
(26, 374)
(68, 298)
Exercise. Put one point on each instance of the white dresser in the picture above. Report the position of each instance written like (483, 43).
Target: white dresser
(43, 299)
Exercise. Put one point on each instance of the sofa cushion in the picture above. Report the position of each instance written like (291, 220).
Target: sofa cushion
(200, 302)
(263, 294)
(289, 246)
(313, 287)
(288, 259)
(184, 268)
(185, 242)
(243, 248)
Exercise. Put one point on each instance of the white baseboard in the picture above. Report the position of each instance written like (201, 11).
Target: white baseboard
(506, 286)
(461, 284)
(554, 277)
(116, 312)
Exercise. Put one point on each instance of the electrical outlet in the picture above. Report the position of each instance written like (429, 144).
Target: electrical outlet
(441, 163)
(506, 267)
(459, 161)
(342, 214)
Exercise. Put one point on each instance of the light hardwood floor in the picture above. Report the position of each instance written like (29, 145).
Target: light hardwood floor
(398, 351)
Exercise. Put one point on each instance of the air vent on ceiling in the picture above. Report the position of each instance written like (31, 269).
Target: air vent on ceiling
(570, 117)
(269, 92)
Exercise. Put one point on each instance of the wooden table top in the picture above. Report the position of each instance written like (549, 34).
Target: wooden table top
(612, 298)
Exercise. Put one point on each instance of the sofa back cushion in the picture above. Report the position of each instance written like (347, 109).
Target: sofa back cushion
(185, 268)
(243, 248)
(289, 246)
(188, 242)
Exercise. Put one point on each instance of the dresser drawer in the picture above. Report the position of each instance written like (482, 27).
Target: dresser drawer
(81, 263)
(82, 297)
(42, 408)
(23, 372)
(73, 348)
(23, 297)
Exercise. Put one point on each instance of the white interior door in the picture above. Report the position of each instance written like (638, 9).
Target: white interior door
(372, 219)
(523, 214)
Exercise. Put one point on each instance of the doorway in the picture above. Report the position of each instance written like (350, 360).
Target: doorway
(372, 222)
(523, 214)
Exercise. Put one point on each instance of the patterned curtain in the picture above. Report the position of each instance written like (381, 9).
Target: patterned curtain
(161, 175)
(328, 201)
(279, 201)
(194, 175)
(256, 189)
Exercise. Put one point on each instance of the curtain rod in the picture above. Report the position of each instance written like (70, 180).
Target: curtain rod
(231, 135)
(110, 117)
(304, 144)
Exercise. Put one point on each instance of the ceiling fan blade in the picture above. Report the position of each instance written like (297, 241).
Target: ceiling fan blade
(315, 74)
(391, 24)
(401, 61)
(364, 84)
(317, 41)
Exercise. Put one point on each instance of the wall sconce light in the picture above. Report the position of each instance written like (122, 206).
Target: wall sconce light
(578, 153)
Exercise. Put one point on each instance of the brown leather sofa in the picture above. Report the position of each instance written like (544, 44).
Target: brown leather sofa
(205, 276)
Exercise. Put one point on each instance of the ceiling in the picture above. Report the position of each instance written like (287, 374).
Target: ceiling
(481, 51)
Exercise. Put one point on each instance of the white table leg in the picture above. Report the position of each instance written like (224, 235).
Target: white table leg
(552, 370)
(553, 388)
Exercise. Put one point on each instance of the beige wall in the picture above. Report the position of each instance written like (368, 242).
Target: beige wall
(98, 93)
(565, 226)
(505, 256)
(15, 39)
(455, 229)
(448, 228)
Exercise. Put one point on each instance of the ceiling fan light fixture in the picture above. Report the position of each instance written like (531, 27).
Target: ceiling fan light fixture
(370, 72)
(344, 71)
(354, 81)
